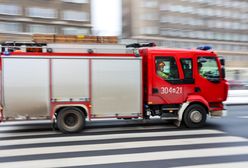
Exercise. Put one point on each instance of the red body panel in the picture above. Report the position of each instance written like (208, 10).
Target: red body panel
(1, 91)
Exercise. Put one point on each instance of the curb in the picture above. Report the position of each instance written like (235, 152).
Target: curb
(235, 104)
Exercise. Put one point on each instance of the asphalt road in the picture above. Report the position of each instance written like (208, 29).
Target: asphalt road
(128, 144)
(235, 123)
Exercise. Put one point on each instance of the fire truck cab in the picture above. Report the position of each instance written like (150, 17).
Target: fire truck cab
(72, 83)
(185, 85)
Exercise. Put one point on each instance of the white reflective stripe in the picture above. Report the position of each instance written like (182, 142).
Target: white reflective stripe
(243, 117)
(122, 145)
(226, 165)
(104, 137)
(123, 158)
(9, 135)
(25, 122)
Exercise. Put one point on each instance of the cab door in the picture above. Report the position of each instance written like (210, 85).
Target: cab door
(188, 68)
(208, 80)
(166, 84)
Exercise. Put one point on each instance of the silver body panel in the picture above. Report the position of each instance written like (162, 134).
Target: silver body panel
(115, 83)
(116, 88)
(70, 79)
(25, 88)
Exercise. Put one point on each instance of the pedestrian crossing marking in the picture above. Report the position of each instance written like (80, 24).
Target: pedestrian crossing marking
(124, 158)
(243, 117)
(92, 130)
(116, 146)
(226, 165)
(106, 137)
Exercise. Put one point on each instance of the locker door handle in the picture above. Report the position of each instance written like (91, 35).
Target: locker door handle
(154, 90)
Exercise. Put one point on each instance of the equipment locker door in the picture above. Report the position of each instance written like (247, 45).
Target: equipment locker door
(70, 79)
(25, 87)
(116, 87)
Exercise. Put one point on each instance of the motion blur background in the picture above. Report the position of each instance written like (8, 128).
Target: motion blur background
(222, 24)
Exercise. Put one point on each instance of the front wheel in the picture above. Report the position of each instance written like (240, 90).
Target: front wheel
(195, 116)
(71, 120)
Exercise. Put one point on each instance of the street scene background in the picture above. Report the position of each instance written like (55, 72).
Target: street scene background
(221, 24)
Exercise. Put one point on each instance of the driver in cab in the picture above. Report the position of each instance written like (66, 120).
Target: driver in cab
(160, 70)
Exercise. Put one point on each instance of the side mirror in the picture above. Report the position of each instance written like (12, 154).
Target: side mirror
(223, 72)
(222, 61)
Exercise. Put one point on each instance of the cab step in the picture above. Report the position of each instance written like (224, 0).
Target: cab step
(169, 116)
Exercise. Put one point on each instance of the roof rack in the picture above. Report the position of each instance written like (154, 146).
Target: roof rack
(63, 48)
(139, 45)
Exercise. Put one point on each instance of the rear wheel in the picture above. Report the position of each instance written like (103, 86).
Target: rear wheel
(71, 120)
(195, 116)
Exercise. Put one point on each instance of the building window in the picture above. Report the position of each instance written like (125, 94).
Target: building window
(77, 1)
(75, 31)
(149, 30)
(150, 16)
(10, 27)
(36, 28)
(41, 12)
(150, 3)
(7, 9)
(75, 15)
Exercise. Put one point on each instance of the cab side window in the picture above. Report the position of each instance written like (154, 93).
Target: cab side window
(187, 67)
(166, 68)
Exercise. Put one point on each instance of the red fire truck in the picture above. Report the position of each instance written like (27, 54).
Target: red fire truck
(74, 83)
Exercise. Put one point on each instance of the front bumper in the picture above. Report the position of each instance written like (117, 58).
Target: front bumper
(218, 113)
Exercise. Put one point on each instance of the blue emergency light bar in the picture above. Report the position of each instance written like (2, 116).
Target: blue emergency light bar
(6, 53)
(204, 48)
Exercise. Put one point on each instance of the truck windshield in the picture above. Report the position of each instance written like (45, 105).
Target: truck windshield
(208, 68)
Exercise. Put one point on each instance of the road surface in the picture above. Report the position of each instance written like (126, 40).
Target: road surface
(123, 144)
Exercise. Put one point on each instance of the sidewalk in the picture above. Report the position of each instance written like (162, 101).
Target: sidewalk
(237, 97)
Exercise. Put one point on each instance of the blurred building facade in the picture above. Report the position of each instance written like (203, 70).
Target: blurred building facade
(189, 23)
(19, 19)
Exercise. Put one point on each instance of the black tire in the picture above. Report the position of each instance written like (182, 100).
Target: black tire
(195, 116)
(55, 126)
(70, 120)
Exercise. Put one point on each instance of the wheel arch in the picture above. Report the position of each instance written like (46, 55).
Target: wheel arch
(197, 99)
(83, 108)
(199, 103)
(192, 99)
